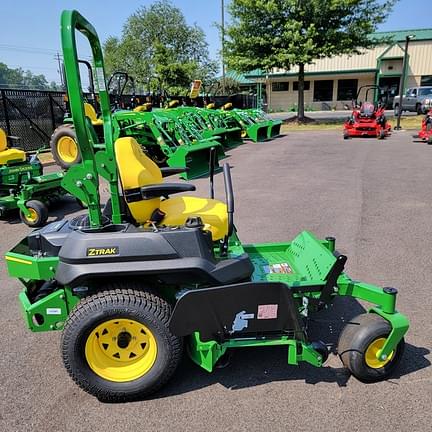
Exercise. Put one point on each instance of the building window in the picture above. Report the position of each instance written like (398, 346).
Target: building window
(306, 85)
(280, 86)
(347, 89)
(323, 90)
(426, 80)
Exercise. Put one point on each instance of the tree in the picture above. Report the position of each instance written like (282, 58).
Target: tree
(160, 50)
(231, 86)
(18, 78)
(268, 34)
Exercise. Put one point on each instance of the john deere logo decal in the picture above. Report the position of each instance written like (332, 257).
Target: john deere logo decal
(102, 251)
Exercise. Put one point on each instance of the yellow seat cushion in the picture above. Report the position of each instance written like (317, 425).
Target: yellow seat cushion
(90, 112)
(137, 170)
(212, 212)
(9, 154)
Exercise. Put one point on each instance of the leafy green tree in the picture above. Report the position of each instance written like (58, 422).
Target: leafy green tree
(160, 50)
(270, 34)
(19, 78)
(231, 87)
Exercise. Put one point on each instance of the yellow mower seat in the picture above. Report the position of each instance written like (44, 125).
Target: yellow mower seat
(9, 154)
(137, 170)
(90, 112)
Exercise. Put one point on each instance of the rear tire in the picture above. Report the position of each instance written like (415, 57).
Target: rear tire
(358, 342)
(64, 147)
(39, 214)
(419, 109)
(102, 347)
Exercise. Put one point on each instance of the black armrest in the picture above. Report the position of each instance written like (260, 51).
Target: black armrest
(156, 190)
(168, 171)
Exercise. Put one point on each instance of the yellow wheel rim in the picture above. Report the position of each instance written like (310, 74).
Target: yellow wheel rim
(371, 354)
(67, 149)
(243, 133)
(121, 350)
(33, 215)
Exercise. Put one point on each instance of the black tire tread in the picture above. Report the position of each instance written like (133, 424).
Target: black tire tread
(118, 294)
(348, 353)
(42, 211)
(53, 145)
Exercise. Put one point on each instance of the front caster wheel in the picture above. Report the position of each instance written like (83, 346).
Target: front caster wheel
(117, 346)
(359, 343)
(38, 214)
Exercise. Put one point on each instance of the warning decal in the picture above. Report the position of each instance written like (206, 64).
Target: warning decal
(278, 268)
(268, 311)
(100, 76)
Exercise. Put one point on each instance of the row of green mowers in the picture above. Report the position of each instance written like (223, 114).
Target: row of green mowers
(152, 276)
(174, 136)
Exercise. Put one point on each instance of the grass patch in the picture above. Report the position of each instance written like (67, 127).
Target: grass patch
(412, 122)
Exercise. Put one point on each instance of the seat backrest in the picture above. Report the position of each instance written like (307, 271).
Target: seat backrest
(367, 109)
(90, 112)
(137, 170)
(3, 140)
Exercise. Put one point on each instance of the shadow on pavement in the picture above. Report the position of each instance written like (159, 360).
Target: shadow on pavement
(250, 367)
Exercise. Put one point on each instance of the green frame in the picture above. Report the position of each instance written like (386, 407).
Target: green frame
(83, 180)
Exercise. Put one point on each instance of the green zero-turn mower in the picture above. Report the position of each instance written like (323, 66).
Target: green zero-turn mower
(133, 285)
(23, 185)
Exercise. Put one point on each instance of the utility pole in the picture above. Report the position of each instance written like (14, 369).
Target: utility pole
(223, 44)
(403, 79)
(60, 68)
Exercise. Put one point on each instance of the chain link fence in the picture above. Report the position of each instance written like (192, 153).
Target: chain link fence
(32, 115)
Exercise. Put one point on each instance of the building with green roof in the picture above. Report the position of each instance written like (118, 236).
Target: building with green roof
(331, 83)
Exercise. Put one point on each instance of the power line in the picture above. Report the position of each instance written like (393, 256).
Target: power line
(31, 67)
(34, 50)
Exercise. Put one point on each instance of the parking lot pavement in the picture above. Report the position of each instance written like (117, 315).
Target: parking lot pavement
(375, 197)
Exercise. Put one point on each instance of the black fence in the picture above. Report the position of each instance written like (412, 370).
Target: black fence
(32, 115)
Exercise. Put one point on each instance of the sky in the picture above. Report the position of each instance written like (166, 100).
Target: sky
(30, 35)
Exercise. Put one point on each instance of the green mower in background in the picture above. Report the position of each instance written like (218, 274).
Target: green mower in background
(165, 138)
(274, 126)
(168, 142)
(210, 124)
(153, 275)
(255, 124)
(23, 185)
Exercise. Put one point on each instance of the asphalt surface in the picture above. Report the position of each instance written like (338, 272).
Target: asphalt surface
(375, 197)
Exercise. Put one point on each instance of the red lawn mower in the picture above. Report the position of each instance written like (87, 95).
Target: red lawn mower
(426, 131)
(367, 119)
